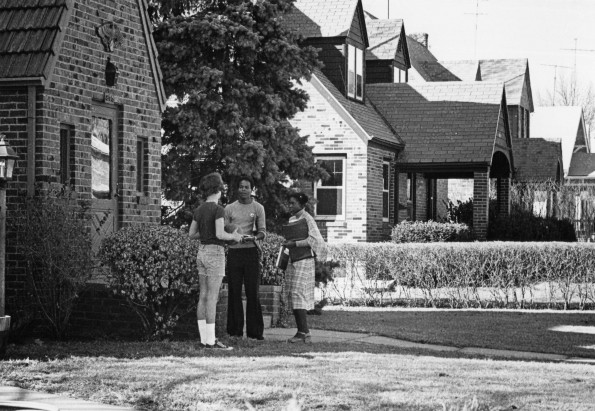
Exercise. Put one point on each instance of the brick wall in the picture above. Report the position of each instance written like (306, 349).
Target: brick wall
(481, 195)
(330, 135)
(421, 194)
(379, 230)
(76, 84)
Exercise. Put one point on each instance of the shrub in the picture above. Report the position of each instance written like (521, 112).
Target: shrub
(52, 238)
(154, 269)
(462, 212)
(429, 232)
(452, 274)
(271, 275)
(523, 225)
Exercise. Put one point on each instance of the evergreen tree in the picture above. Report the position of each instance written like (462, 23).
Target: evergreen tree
(233, 68)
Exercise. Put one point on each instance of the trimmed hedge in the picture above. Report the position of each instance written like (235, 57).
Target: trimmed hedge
(476, 274)
(430, 232)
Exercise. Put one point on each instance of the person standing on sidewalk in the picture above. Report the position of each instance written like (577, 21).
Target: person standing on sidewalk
(300, 275)
(243, 265)
(208, 227)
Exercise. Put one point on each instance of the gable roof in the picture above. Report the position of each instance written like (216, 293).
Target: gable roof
(386, 39)
(514, 73)
(582, 165)
(559, 123)
(30, 36)
(435, 71)
(371, 122)
(329, 18)
(537, 159)
(442, 122)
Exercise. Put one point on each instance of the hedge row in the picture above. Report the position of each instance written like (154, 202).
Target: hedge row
(469, 274)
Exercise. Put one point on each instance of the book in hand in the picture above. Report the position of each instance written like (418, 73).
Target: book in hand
(282, 258)
(296, 231)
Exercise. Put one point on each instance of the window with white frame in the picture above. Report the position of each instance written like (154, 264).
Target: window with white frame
(355, 70)
(385, 190)
(399, 76)
(330, 193)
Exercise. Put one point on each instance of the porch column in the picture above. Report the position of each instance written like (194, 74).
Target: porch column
(481, 198)
(503, 196)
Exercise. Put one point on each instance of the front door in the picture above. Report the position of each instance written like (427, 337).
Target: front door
(104, 173)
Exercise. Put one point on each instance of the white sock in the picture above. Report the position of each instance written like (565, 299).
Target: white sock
(202, 331)
(210, 328)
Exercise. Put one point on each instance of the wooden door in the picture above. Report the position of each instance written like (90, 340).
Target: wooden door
(104, 173)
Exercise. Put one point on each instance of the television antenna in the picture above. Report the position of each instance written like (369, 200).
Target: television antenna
(555, 66)
(477, 14)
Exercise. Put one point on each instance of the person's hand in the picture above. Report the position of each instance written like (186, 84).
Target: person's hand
(289, 244)
(247, 238)
(237, 237)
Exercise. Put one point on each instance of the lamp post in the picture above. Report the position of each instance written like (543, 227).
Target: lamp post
(7, 160)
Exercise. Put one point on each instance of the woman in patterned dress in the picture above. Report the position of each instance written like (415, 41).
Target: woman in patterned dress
(300, 274)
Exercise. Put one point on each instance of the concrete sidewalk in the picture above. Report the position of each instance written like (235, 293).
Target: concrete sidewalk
(280, 334)
(20, 398)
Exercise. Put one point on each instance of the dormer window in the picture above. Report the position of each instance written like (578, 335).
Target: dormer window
(355, 70)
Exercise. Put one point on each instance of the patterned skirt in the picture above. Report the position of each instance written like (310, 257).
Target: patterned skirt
(300, 279)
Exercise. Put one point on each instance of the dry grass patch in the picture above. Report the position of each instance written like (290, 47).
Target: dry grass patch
(177, 376)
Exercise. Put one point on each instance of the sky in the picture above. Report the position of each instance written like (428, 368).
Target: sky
(544, 31)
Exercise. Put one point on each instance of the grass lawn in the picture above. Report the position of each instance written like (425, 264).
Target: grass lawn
(327, 376)
(510, 330)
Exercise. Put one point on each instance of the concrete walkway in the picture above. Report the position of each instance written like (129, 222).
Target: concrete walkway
(13, 398)
(279, 334)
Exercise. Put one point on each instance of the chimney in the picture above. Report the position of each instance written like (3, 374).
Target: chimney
(421, 38)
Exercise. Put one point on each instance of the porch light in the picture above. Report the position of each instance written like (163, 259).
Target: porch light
(7, 159)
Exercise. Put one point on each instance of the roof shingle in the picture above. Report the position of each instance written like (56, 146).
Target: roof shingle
(28, 30)
(537, 159)
(442, 122)
(384, 37)
(315, 18)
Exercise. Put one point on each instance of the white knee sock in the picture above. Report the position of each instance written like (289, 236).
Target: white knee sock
(202, 330)
(210, 334)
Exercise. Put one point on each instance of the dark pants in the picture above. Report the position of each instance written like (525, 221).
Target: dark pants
(243, 268)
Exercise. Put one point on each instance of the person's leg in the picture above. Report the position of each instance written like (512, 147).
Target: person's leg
(235, 309)
(254, 321)
(201, 312)
(301, 298)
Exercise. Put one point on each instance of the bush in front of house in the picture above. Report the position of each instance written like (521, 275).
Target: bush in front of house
(429, 232)
(478, 274)
(153, 267)
(271, 275)
(51, 235)
(523, 225)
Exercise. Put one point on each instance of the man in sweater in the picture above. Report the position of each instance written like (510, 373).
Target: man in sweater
(243, 262)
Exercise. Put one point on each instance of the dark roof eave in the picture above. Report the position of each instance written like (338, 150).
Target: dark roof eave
(443, 167)
(388, 144)
(22, 81)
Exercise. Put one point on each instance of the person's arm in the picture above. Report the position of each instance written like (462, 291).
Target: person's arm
(261, 224)
(193, 231)
(223, 235)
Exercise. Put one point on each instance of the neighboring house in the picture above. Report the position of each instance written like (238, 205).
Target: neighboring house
(81, 104)
(351, 140)
(451, 130)
(358, 118)
(566, 126)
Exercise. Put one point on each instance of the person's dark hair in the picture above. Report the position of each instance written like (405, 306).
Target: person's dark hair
(300, 197)
(210, 184)
(245, 178)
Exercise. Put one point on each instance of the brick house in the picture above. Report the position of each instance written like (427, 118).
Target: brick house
(351, 140)
(81, 101)
(353, 124)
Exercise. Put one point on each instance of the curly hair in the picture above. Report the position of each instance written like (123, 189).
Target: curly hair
(210, 184)
(244, 178)
(300, 197)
